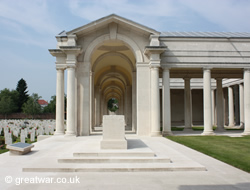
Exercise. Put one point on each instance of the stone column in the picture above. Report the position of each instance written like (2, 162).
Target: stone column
(60, 102)
(241, 89)
(219, 104)
(231, 106)
(213, 106)
(247, 101)
(155, 102)
(188, 104)
(97, 106)
(166, 103)
(134, 101)
(129, 106)
(207, 102)
(71, 101)
(237, 106)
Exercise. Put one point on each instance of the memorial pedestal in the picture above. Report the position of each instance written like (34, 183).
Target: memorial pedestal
(113, 132)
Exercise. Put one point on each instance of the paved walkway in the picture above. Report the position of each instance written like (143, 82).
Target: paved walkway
(217, 177)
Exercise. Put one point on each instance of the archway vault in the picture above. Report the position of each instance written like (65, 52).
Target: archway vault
(113, 63)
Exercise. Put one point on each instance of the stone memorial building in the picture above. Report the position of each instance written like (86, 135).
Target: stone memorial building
(160, 79)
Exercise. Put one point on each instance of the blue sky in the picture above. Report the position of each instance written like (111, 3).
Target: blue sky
(28, 29)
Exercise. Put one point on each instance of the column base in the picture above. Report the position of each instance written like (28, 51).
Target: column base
(220, 129)
(59, 133)
(242, 125)
(156, 134)
(167, 133)
(247, 133)
(188, 129)
(208, 133)
(70, 133)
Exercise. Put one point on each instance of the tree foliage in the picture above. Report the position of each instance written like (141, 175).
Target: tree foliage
(8, 101)
(32, 106)
(51, 108)
(113, 105)
(22, 93)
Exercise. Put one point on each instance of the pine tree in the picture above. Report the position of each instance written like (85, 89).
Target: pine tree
(22, 93)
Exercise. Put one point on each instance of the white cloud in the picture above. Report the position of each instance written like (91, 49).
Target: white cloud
(30, 13)
(230, 15)
(140, 10)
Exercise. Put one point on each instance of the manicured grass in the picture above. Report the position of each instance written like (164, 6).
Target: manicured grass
(234, 151)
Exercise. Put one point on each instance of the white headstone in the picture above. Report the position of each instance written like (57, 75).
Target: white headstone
(22, 136)
(8, 138)
(32, 136)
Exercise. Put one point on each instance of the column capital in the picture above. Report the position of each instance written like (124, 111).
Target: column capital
(165, 68)
(186, 78)
(246, 69)
(154, 67)
(71, 66)
(207, 69)
(60, 67)
(218, 78)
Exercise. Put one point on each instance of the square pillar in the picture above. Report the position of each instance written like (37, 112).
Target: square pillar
(219, 104)
(188, 104)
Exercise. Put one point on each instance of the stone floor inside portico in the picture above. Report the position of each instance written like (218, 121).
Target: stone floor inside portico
(189, 169)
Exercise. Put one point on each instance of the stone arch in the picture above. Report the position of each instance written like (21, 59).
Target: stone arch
(113, 54)
(134, 47)
(111, 71)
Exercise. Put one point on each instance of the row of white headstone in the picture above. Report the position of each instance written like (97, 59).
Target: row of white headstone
(21, 128)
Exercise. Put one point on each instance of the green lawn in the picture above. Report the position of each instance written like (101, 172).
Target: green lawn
(234, 151)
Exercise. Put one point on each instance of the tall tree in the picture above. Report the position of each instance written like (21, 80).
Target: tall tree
(22, 93)
(8, 101)
(32, 106)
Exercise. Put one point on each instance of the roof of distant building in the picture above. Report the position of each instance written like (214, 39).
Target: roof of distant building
(207, 34)
(42, 102)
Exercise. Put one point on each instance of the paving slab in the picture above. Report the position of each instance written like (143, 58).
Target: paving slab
(218, 175)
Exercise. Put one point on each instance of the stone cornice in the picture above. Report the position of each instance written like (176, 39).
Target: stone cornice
(71, 49)
(57, 53)
(154, 50)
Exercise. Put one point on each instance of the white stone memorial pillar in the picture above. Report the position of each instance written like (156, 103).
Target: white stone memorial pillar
(247, 101)
(231, 106)
(166, 107)
(207, 102)
(241, 88)
(188, 104)
(71, 101)
(59, 102)
(155, 102)
(219, 104)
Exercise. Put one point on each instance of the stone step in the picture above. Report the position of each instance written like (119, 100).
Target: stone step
(114, 154)
(153, 167)
(114, 160)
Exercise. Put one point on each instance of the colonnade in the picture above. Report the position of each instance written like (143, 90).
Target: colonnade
(213, 109)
